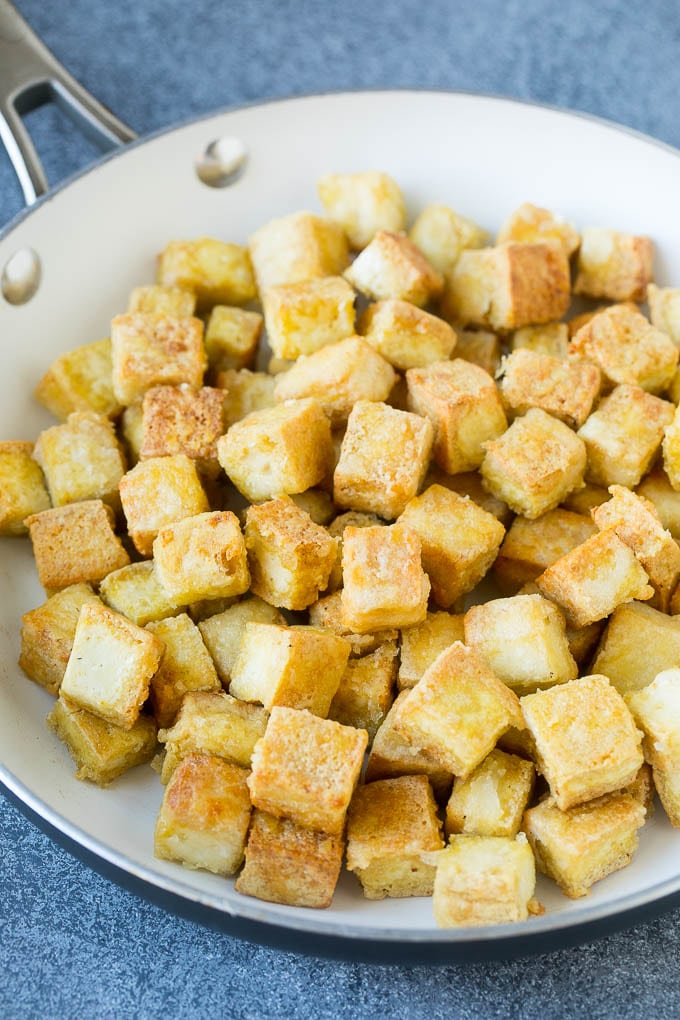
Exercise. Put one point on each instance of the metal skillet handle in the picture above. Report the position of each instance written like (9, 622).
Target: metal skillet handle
(30, 75)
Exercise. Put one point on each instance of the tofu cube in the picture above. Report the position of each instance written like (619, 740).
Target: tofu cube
(317, 503)
(81, 459)
(535, 464)
(589, 582)
(130, 431)
(531, 546)
(202, 557)
(671, 450)
(111, 665)
(102, 751)
(581, 640)
(459, 541)
(222, 633)
(278, 450)
(355, 519)
(306, 768)
(392, 267)
(75, 544)
(524, 640)
(582, 501)
(656, 488)
(469, 483)
(442, 234)
(179, 419)
(295, 248)
(637, 644)
(422, 644)
(286, 863)
(303, 317)
(552, 339)
(493, 798)
(158, 492)
(390, 825)
(366, 689)
(655, 710)
(327, 614)
(298, 667)
(47, 634)
(667, 785)
(623, 435)
(80, 380)
(231, 338)
(384, 582)
(565, 389)
(664, 310)
(405, 335)
(337, 376)
(533, 224)
(383, 459)
(135, 591)
(362, 204)
(217, 272)
(614, 265)
(155, 350)
(185, 665)
(22, 487)
(580, 846)
(512, 285)
(212, 722)
(483, 880)
(161, 300)
(627, 348)
(204, 817)
(586, 740)
(458, 710)
(462, 402)
(480, 347)
(245, 392)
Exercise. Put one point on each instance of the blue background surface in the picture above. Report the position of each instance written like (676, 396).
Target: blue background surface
(71, 943)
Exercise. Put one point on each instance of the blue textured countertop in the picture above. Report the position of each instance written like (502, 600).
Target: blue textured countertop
(73, 944)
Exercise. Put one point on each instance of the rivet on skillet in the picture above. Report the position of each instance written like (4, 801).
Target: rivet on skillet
(21, 276)
(222, 163)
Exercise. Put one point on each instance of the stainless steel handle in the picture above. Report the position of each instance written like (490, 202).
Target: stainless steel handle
(30, 75)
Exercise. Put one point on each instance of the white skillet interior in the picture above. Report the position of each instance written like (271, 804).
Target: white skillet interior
(98, 237)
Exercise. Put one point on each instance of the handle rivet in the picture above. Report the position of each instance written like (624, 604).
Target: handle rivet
(222, 162)
(21, 276)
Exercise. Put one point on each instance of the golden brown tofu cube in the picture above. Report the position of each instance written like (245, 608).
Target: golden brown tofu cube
(295, 248)
(306, 769)
(390, 825)
(202, 557)
(552, 339)
(655, 710)
(384, 582)
(667, 786)
(327, 614)
(637, 644)
(218, 273)
(533, 223)
(362, 204)
(642, 788)
(179, 419)
(581, 640)
(580, 846)
(383, 459)
(627, 348)
(614, 265)
(442, 234)
(512, 285)
(158, 492)
(155, 350)
(480, 347)
(405, 335)
(565, 389)
(101, 750)
(185, 665)
(204, 817)
(130, 431)
(355, 519)
(469, 483)
(671, 451)
(459, 541)
(110, 666)
(223, 632)
(290, 557)
(298, 667)
(493, 798)
(22, 487)
(657, 488)
(462, 402)
(589, 582)
(422, 644)
(392, 267)
(47, 634)
(135, 592)
(212, 722)
(81, 459)
(483, 880)
(245, 392)
(303, 317)
(586, 740)
(278, 450)
(337, 376)
(524, 640)
(80, 380)
(161, 300)
(231, 338)
(535, 464)
(286, 863)
(366, 689)
(458, 710)
(317, 503)
(664, 310)
(75, 543)
(582, 501)
(623, 435)
(530, 546)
